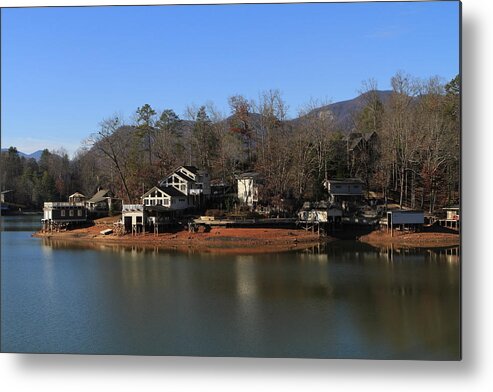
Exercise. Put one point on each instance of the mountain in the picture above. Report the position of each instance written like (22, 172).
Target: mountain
(35, 155)
(344, 111)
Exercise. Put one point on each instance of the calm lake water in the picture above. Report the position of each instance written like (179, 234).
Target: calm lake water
(345, 300)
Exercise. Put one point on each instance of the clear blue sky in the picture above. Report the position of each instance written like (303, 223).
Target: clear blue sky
(65, 69)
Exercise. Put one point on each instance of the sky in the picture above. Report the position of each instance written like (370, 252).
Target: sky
(65, 69)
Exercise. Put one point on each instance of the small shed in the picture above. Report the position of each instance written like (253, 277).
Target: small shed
(405, 219)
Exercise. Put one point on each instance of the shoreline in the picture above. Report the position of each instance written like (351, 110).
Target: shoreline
(423, 239)
(218, 240)
(246, 240)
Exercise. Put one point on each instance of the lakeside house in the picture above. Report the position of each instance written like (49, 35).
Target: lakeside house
(248, 187)
(452, 217)
(191, 182)
(58, 215)
(103, 203)
(344, 191)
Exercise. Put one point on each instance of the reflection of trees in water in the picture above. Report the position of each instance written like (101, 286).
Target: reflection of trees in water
(404, 299)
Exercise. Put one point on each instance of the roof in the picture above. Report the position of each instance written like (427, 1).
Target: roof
(248, 175)
(192, 169)
(345, 181)
(406, 211)
(454, 207)
(99, 196)
(77, 194)
(184, 176)
(172, 191)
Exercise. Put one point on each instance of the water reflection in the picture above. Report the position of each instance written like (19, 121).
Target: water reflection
(345, 299)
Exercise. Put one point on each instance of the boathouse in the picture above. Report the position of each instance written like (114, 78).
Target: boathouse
(404, 219)
(60, 215)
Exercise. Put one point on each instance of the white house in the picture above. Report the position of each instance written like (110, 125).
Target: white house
(193, 183)
(248, 188)
(168, 197)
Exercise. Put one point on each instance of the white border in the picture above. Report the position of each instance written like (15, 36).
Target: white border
(95, 373)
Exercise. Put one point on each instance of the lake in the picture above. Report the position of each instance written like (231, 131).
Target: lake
(341, 300)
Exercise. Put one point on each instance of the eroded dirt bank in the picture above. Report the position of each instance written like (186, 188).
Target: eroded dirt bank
(425, 239)
(223, 240)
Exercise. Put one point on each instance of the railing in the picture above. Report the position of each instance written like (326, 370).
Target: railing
(132, 207)
(57, 204)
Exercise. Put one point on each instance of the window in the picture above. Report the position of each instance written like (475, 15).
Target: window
(166, 202)
(159, 202)
(182, 187)
(146, 202)
(153, 202)
(71, 212)
(62, 213)
(79, 212)
(182, 199)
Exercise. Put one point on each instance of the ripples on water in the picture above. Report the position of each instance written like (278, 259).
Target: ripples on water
(343, 300)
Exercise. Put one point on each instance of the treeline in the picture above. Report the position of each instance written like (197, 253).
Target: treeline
(413, 156)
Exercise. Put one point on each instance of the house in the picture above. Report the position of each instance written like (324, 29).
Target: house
(452, 218)
(102, 203)
(63, 214)
(159, 206)
(320, 212)
(344, 190)
(5, 200)
(76, 197)
(191, 182)
(248, 186)
(168, 197)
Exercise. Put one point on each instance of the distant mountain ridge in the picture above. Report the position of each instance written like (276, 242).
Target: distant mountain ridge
(342, 111)
(35, 155)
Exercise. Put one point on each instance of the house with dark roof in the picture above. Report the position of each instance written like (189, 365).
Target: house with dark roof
(190, 181)
(167, 197)
(344, 190)
(102, 203)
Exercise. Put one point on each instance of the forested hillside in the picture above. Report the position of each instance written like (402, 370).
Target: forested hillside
(414, 158)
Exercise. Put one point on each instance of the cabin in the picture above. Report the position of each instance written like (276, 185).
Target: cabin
(344, 190)
(248, 186)
(76, 197)
(102, 203)
(58, 215)
(404, 219)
